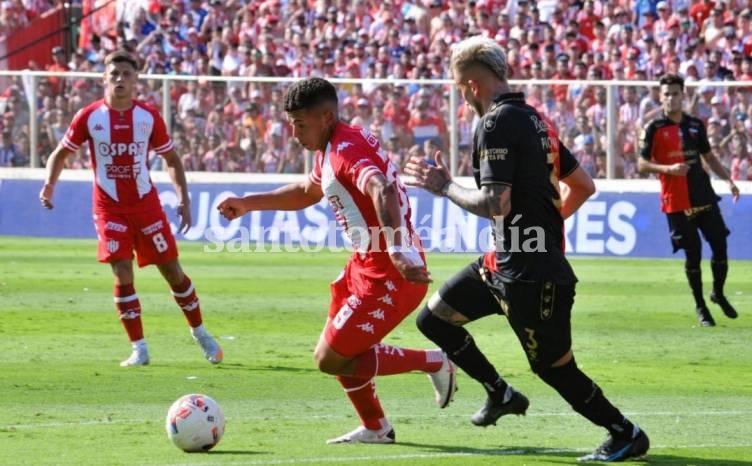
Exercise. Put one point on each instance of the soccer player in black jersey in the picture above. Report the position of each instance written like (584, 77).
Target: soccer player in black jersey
(518, 162)
(674, 146)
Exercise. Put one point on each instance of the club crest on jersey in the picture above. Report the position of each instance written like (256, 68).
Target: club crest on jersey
(489, 124)
(113, 245)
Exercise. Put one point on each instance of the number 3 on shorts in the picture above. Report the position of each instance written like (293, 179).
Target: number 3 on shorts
(160, 242)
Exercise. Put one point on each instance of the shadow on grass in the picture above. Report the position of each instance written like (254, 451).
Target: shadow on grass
(250, 367)
(236, 452)
(567, 456)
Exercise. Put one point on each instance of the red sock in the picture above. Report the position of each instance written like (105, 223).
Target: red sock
(362, 394)
(129, 310)
(384, 359)
(185, 296)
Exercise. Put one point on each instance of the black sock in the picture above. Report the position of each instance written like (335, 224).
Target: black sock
(460, 346)
(720, 270)
(694, 277)
(587, 398)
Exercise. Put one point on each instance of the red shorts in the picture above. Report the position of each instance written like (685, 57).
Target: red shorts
(362, 311)
(148, 233)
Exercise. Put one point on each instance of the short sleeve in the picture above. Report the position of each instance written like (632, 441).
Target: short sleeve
(315, 174)
(646, 142)
(78, 132)
(361, 170)
(702, 139)
(494, 150)
(160, 140)
(567, 162)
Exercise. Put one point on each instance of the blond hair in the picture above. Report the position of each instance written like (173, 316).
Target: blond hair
(479, 51)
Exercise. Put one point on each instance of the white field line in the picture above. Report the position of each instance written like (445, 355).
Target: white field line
(91, 422)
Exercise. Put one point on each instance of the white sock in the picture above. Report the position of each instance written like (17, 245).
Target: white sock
(199, 331)
(139, 344)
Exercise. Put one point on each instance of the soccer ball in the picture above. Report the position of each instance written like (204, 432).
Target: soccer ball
(195, 423)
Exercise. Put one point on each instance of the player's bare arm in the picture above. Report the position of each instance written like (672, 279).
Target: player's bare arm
(385, 200)
(579, 187)
(177, 175)
(721, 172)
(294, 196)
(675, 169)
(55, 165)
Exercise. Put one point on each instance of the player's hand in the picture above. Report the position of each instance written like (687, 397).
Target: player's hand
(232, 208)
(411, 266)
(45, 195)
(734, 192)
(429, 177)
(184, 211)
(678, 169)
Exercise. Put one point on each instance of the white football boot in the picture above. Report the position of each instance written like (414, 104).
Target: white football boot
(363, 435)
(209, 346)
(444, 382)
(139, 356)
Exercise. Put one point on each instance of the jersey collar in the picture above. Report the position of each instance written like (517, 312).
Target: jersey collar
(507, 97)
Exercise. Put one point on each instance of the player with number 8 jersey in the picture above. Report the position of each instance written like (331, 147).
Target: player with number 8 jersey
(119, 132)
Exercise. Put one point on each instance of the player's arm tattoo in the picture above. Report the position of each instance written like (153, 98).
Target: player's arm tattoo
(386, 203)
(490, 201)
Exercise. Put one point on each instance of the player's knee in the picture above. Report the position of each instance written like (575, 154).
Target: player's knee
(328, 362)
(555, 375)
(172, 272)
(447, 336)
(430, 324)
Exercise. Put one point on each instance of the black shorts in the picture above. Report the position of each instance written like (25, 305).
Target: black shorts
(684, 229)
(539, 313)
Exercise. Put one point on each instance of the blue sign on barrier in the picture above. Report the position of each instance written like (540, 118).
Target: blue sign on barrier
(610, 223)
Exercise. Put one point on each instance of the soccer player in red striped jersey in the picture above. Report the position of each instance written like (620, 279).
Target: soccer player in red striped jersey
(119, 133)
(674, 146)
(384, 280)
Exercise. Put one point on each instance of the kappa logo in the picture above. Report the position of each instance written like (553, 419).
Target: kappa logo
(390, 285)
(192, 306)
(387, 299)
(98, 127)
(367, 327)
(378, 314)
(343, 145)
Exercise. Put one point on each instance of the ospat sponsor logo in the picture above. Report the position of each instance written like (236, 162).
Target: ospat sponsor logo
(115, 149)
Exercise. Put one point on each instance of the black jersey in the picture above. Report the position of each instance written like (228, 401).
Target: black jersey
(514, 145)
(666, 142)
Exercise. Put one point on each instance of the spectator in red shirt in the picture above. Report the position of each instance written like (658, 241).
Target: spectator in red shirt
(59, 64)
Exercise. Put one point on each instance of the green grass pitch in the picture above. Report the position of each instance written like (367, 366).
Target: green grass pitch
(65, 401)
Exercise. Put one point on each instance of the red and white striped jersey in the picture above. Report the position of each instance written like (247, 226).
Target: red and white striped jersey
(119, 144)
(351, 158)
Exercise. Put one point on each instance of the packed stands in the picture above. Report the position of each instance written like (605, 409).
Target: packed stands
(240, 126)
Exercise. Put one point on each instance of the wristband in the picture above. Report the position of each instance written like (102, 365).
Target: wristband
(445, 188)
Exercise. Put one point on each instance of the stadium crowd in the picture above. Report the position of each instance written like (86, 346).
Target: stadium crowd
(239, 126)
